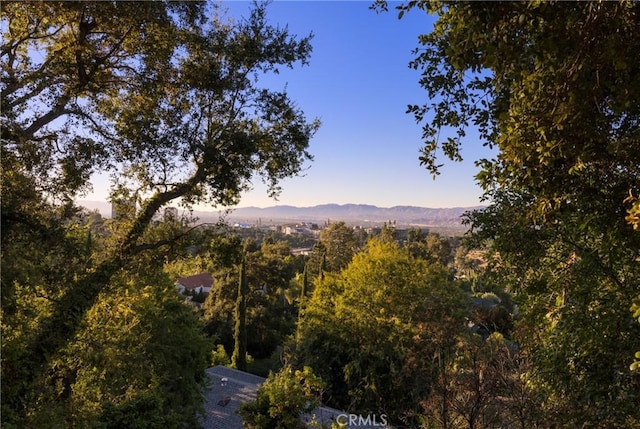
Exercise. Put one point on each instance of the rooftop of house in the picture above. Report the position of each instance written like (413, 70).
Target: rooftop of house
(195, 281)
(228, 388)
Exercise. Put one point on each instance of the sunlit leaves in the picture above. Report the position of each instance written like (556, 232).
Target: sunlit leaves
(552, 86)
(167, 95)
(282, 399)
(633, 213)
(521, 73)
(634, 219)
(139, 342)
(372, 330)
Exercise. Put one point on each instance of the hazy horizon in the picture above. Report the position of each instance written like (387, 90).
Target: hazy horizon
(106, 203)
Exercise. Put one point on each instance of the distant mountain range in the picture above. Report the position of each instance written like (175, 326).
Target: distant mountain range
(362, 214)
(354, 213)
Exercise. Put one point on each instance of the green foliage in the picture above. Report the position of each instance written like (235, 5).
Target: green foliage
(219, 356)
(633, 213)
(552, 86)
(484, 386)
(495, 318)
(165, 354)
(470, 265)
(372, 331)
(262, 367)
(431, 247)
(142, 411)
(164, 95)
(635, 309)
(33, 279)
(139, 356)
(282, 399)
(568, 287)
(105, 77)
(490, 296)
(339, 246)
(633, 218)
(270, 298)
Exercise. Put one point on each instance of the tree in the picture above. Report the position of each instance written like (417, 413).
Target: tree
(316, 264)
(482, 385)
(282, 399)
(167, 96)
(138, 357)
(304, 286)
(552, 86)
(635, 309)
(270, 314)
(332, 252)
(431, 246)
(339, 246)
(373, 330)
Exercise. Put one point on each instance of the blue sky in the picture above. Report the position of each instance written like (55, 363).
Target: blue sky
(358, 84)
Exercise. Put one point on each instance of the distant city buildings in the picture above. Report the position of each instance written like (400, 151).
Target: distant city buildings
(301, 228)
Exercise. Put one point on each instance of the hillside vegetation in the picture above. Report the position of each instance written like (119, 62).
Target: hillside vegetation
(528, 321)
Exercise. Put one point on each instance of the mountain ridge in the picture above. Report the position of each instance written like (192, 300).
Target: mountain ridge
(351, 213)
(358, 213)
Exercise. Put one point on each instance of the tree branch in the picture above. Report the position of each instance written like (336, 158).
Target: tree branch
(151, 246)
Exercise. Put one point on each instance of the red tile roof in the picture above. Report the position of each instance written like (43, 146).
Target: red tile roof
(192, 282)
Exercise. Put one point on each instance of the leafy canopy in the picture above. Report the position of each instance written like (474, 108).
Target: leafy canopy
(168, 97)
(552, 86)
(372, 331)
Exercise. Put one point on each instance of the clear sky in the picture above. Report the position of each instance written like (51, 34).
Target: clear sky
(358, 84)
